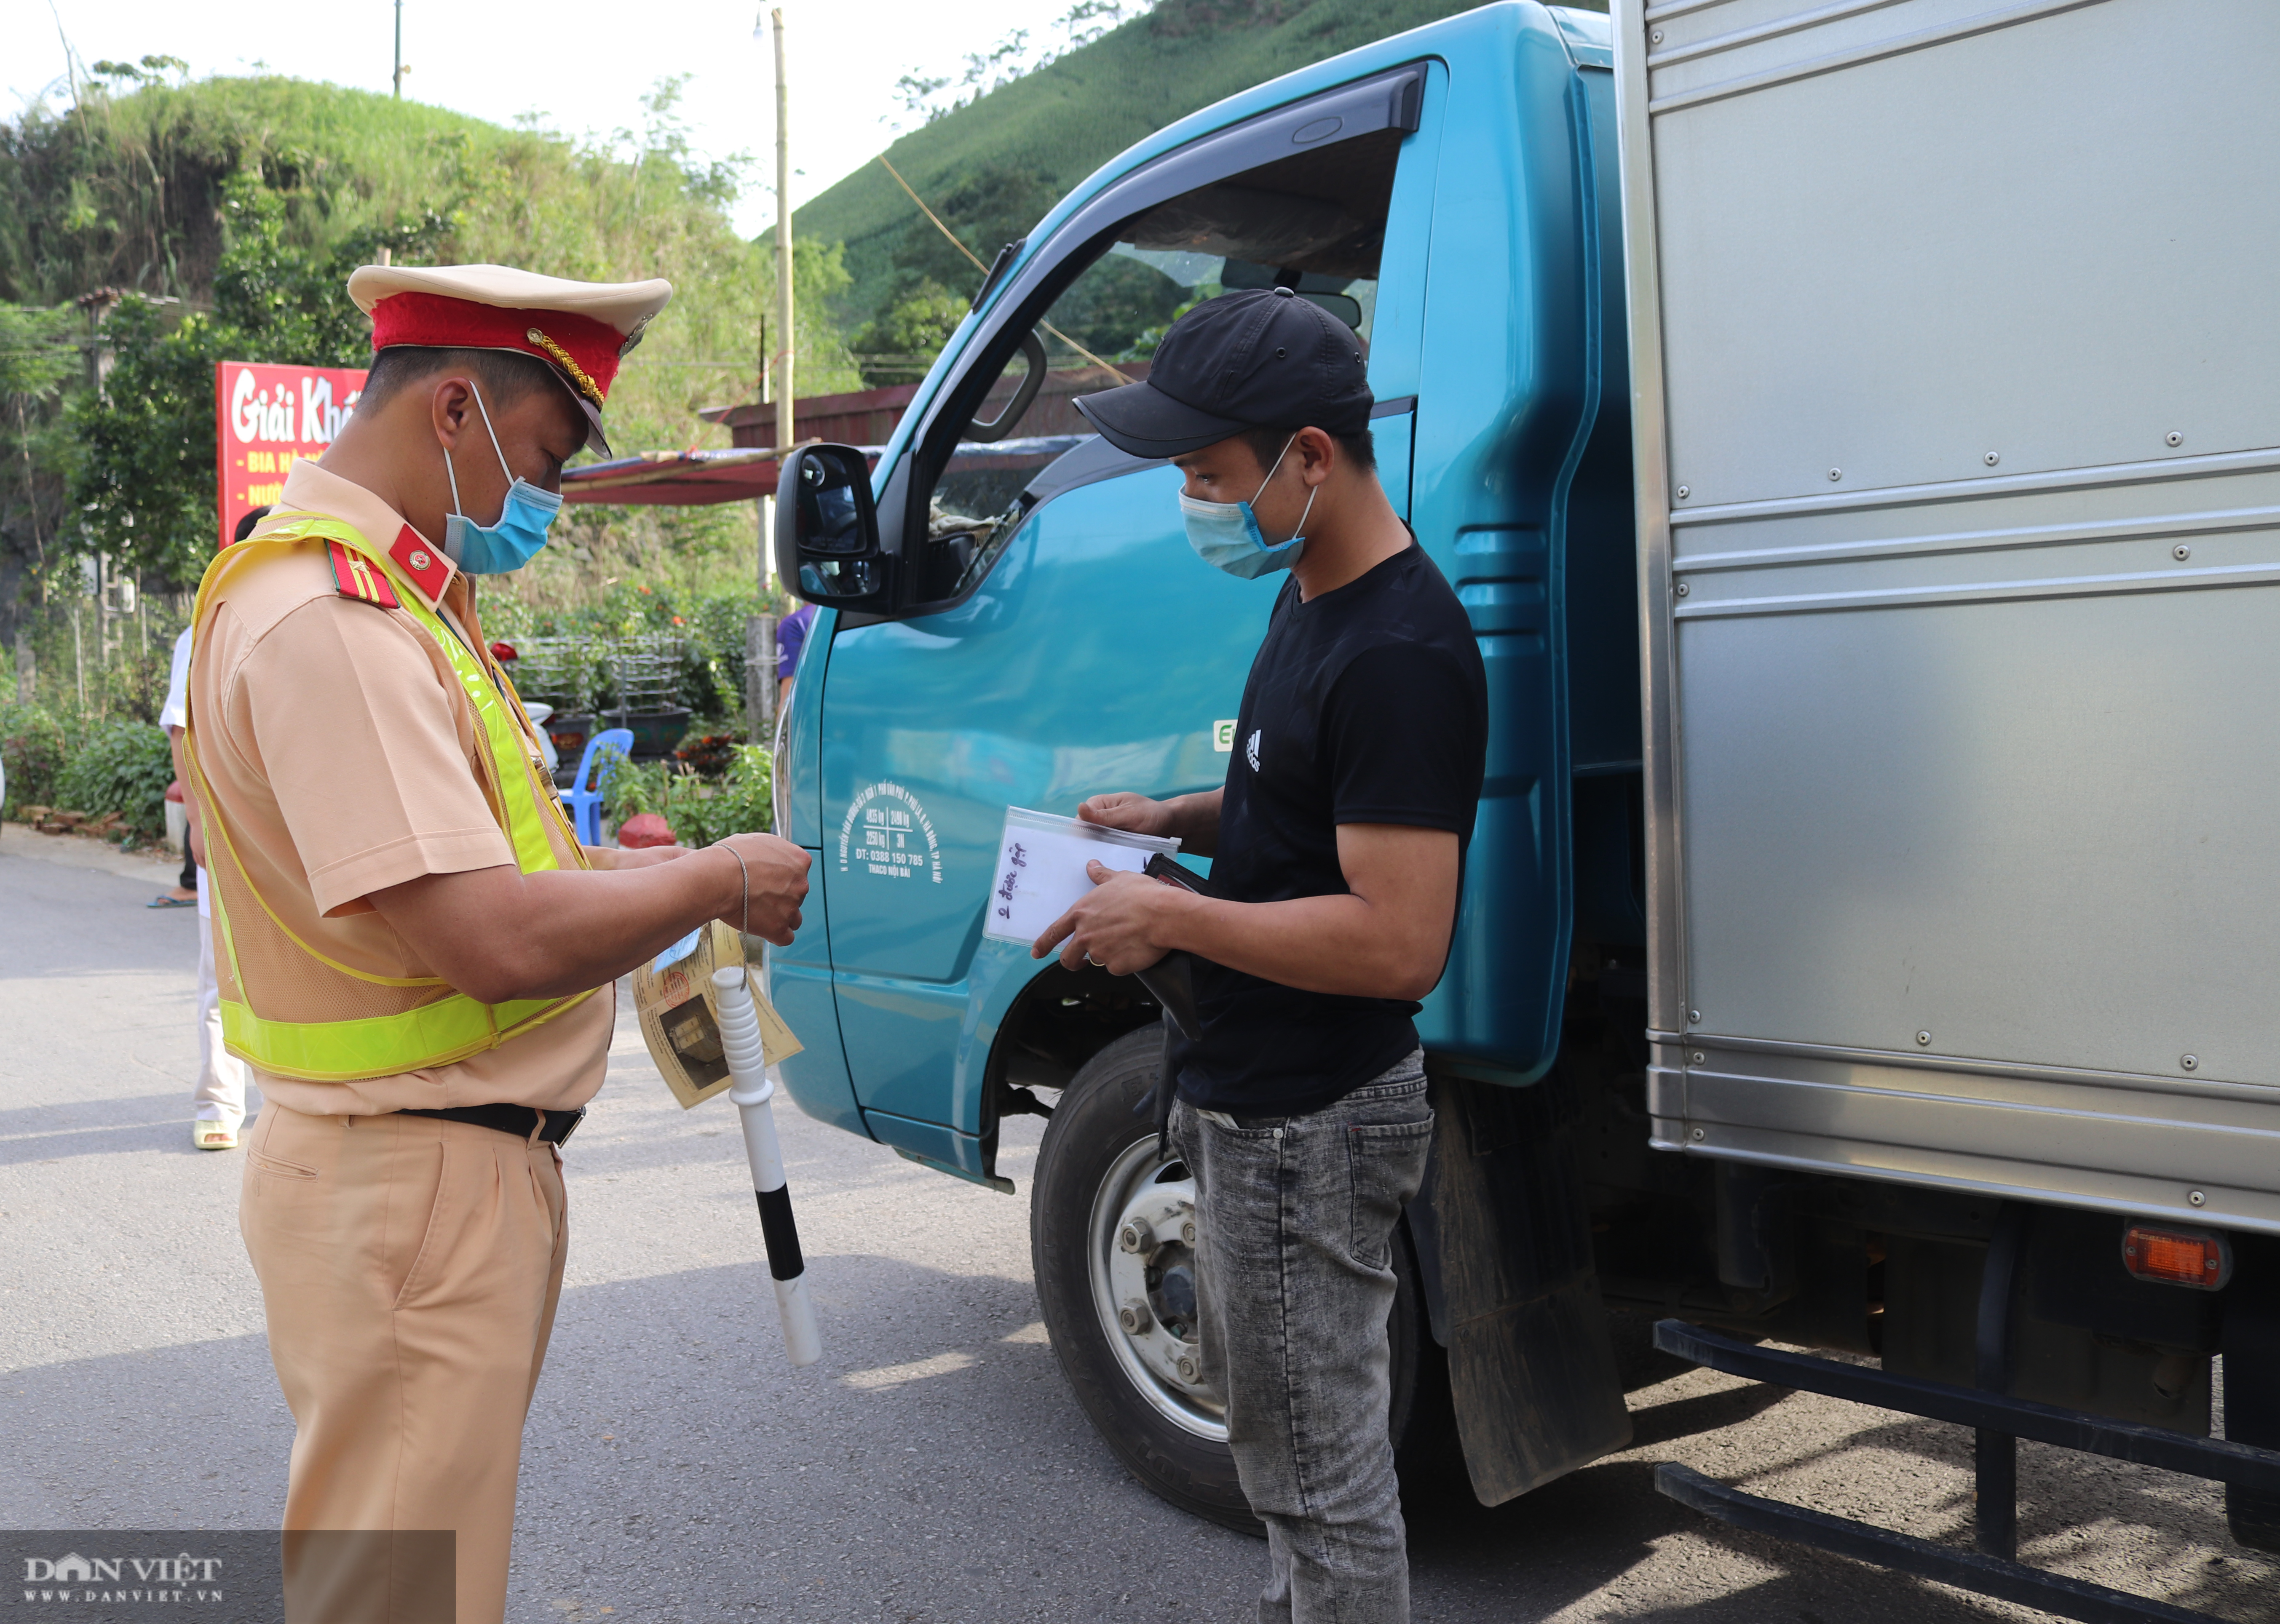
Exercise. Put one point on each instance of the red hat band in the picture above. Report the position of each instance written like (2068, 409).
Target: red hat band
(583, 350)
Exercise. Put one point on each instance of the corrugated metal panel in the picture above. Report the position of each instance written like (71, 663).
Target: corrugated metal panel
(1959, 391)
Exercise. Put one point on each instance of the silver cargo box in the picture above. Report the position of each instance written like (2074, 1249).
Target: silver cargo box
(1955, 331)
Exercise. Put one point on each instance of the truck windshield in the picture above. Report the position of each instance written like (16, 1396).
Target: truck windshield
(1313, 222)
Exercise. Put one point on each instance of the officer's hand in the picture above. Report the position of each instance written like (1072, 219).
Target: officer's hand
(776, 872)
(1136, 813)
(1124, 924)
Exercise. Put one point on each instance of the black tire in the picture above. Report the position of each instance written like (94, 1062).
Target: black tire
(1093, 1127)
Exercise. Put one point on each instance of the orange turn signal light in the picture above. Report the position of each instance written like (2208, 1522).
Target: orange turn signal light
(2201, 1259)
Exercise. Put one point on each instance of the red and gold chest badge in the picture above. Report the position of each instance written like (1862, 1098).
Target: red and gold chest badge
(359, 578)
(429, 569)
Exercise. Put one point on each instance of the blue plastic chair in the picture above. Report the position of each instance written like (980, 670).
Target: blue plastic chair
(585, 801)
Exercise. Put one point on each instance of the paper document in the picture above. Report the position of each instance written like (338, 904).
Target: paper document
(1041, 862)
(675, 1000)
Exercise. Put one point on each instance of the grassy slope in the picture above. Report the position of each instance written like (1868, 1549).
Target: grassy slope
(123, 189)
(1067, 120)
(126, 191)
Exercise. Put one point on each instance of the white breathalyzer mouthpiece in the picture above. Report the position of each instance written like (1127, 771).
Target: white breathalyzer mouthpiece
(740, 1046)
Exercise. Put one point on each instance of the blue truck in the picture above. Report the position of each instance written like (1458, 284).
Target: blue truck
(1744, 1032)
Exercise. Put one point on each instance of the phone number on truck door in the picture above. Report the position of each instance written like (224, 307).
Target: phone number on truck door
(882, 832)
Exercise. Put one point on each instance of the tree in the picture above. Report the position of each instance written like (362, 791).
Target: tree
(287, 298)
(989, 208)
(1009, 59)
(902, 342)
(235, 208)
(992, 206)
(36, 351)
(39, 353)
(1117, 301)
(143, 489)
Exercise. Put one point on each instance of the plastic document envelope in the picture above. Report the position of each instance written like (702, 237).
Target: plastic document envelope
(1041, 862)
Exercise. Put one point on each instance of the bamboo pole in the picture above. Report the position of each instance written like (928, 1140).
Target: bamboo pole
(784, 371)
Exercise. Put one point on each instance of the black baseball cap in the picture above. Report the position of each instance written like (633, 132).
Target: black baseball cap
(1261, 358)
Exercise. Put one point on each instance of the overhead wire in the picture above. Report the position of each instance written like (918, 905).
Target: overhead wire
(958, 244)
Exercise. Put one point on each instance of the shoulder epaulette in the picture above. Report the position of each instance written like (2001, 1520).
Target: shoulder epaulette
(358, 578)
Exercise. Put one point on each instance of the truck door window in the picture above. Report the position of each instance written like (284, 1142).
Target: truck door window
(1313, 222)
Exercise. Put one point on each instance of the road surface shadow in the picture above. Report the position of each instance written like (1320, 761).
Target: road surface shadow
(1684, 1417)
(159, 1122)
(1576, 1538)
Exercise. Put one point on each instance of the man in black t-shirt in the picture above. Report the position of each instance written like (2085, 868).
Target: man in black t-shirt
(1339, 844)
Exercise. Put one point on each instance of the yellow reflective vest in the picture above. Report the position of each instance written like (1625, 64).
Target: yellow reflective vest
(365, 1024)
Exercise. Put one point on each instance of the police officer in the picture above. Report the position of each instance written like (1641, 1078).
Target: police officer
(415, 954)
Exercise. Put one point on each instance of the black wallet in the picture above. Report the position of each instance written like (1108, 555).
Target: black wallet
(1171, 981)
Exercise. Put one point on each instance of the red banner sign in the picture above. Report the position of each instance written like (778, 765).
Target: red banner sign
(266, 418)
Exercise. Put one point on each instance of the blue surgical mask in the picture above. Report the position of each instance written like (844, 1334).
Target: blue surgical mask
(515, 540)
(1226, 535)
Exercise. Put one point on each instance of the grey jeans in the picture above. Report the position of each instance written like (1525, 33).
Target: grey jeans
(1295, 1237)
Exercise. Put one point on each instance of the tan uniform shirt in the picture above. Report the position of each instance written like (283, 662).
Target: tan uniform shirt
(340, 750)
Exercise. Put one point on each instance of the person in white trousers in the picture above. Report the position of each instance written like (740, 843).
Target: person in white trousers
(221, 1096)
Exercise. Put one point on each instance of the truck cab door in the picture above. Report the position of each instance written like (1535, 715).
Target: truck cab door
(1067, 642)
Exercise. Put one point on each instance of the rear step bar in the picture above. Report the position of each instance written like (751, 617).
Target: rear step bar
(1999, 1420)
(1966, 1570)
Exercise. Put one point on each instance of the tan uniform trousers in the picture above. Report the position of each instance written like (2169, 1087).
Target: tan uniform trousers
(409, 1270)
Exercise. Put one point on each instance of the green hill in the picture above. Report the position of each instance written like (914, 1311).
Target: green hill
(123, 188)
(237, 207)
(993, 167)
(128, 188)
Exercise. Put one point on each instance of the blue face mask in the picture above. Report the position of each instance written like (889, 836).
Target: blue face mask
(1226, 535)
(515, 540)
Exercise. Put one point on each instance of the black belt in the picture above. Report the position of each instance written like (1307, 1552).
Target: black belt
(553, 1126)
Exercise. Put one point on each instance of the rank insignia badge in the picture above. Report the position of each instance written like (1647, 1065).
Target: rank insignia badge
(360, 577)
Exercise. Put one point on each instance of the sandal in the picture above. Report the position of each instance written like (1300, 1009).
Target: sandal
(163, 901)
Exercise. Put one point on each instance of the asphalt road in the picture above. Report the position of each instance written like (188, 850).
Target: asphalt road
(932, 1467)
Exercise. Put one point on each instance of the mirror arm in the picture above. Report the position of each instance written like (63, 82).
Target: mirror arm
(892, 515)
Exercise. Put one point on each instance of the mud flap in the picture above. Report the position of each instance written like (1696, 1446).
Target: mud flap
(2251, 1380)
(1505, 1248)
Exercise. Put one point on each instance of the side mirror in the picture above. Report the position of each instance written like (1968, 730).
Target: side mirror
(826, 538)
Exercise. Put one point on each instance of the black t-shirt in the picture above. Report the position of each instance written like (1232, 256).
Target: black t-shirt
(1366, 705)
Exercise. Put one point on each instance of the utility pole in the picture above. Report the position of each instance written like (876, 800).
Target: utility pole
(763, 507)
(397, 78)
(783, 372)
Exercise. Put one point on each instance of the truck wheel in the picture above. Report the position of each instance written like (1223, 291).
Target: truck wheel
(1134, 1372)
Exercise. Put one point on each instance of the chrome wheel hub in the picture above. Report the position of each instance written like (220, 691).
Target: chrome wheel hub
(1141, 1257)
